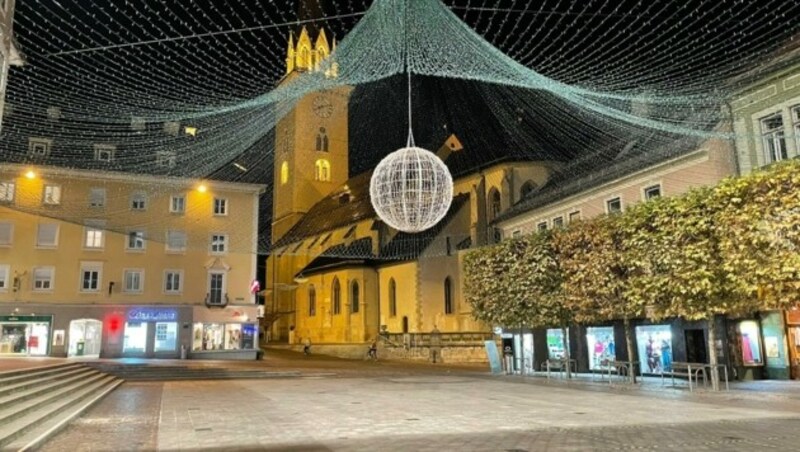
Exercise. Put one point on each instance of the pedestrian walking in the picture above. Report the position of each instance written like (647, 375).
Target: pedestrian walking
(307, 346)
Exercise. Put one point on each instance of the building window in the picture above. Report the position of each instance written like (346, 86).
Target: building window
(6, 234)
(138, 201)
(216, 288)
(495, 204)
(94, 236)
(177, 204)
(448, 296)
(355, 295)
(574, 216)
(526, 189)
(166, 159)
(52, 195)
(91, 274)
(542, 226)
(219, 243)
(614, 205)
(172, 128)
(284, 173)
(97, 197)
(172, 281)
(104, 152)
(322, 140)
(516, 234)
(322, 170)
(558, 222)
(653, 191)
(337, 296)
(772, 136)
(312, 301)
(43, 279)
(392, 298)
(39, 147)
(134, 281)
(796, 120)
(135, 240)
(176, 241)
(220, 206)
(7, 191)
(4, 269)
(47, 235)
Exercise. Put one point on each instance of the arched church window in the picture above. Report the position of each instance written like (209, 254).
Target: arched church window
(392, 298)
(448, 296)
(337, 296)
(312, 301)
(355, 294)
(527, 187)
(284, 172)
(322, 140)
(494, 204)
(322, 171)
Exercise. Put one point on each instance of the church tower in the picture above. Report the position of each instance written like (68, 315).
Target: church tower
(311, 141)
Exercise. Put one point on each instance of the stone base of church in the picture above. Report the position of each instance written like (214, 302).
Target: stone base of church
(451, 355)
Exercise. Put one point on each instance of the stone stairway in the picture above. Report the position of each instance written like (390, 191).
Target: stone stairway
(170, 372)
(36, 403)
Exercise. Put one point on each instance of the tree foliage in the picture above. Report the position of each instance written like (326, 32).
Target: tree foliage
(730, 249)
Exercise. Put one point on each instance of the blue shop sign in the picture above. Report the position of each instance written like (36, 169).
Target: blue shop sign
(152, 315)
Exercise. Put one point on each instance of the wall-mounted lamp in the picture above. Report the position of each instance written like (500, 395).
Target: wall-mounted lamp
(110, 287)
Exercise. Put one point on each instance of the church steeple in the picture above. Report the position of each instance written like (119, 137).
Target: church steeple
(305, 56)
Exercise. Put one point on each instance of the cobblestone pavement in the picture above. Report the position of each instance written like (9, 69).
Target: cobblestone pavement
(346, 405)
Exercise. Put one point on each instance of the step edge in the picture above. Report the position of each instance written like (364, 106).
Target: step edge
(47, 398)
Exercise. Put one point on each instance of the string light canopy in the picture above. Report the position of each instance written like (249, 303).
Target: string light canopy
(573, 81)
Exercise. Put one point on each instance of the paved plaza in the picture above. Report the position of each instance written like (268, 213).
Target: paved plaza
(346, 405)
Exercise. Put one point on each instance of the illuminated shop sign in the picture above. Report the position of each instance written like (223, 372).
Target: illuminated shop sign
(152, 315)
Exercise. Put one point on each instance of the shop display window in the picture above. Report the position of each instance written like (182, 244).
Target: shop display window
(166, 336)
(555, 343)
(219, 336)
(751, 343)
(135, 340)
(601, 346)
(24, 338)
(655, 348)
(233, 336)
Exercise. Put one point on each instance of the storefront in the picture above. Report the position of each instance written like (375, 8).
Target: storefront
(225, 333)
(793, 335)
(601, 346)
(151, 332)
(25, 335)
(654, 347)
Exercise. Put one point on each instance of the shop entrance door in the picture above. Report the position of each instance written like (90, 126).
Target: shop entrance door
(696, 346)
(85, 338)
(135, 341)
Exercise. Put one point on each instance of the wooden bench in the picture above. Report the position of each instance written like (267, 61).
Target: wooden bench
(688, 370)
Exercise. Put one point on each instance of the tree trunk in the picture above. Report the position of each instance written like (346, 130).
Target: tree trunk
(712, 353)
(631, 351)
(566, 352)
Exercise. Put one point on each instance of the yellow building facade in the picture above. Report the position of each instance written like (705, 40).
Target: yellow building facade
(112, 264)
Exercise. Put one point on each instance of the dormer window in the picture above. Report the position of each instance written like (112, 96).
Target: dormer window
(54, 113)
(138, 123)
(39, 147)
(104, 152)
(165, 159)
(172, 128)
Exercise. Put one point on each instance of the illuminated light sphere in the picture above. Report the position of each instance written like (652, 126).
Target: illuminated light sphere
(30, 174)
(411, 189)
(202, 188)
